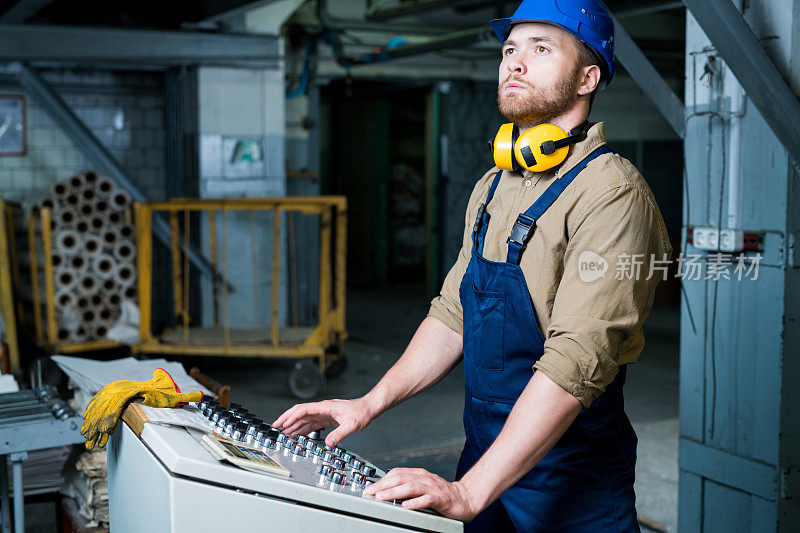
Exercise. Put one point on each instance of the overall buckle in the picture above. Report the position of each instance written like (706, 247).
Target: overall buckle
(479, 218)
(523, 230)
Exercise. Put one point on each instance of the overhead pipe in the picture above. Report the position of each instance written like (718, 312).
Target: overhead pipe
(451, 40)
(416, 7)
(411, 7)
(332, 22)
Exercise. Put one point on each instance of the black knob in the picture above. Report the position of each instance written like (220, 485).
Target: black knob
(302, 439)
(326, 470)
(359, 478)
(269, 444)
(357, 464)
(254, 425)
(203, 403)
(338, 451)
(348, 457)
(222, 421)
(338, 463)
(299, 449)
(368, 471)
(337, 478)
(216, 412)
(238, 432)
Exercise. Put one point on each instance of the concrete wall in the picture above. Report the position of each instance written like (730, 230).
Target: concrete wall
(243, 105)
(124, 110)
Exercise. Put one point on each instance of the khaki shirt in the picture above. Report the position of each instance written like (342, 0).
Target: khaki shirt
(590, 326)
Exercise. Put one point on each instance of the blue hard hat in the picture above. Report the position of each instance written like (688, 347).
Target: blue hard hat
(588, 20)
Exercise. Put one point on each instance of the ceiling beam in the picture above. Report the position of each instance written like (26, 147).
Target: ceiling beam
(730, 34)
(33, 43)
(95, 151)
(23, 10)
(649, 80)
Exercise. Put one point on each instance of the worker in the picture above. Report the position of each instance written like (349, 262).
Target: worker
(539, 302)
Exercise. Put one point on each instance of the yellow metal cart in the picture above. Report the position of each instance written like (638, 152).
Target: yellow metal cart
(318, 348)
(10, 307)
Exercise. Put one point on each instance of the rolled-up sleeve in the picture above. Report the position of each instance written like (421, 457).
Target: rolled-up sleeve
(597, 314)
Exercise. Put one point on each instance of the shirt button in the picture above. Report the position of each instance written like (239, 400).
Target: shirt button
(527, 183)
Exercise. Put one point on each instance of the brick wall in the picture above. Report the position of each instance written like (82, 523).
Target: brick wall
(124, 110)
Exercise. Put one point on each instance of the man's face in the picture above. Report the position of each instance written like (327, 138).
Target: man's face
(539, 75)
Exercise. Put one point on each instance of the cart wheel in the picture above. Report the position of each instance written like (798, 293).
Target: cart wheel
(338, 366)
(306, 381)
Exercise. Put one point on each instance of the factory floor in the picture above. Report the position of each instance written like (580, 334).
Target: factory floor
(426, 431)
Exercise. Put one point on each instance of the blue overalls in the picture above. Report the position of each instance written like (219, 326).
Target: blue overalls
(585, 483)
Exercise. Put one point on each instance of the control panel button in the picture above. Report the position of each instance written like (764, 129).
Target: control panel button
(368, 471)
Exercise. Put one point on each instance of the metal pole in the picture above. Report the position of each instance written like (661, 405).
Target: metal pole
(5, 508)
(19, 497)
(650, 81)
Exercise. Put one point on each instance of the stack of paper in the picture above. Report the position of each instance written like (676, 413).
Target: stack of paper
(86, 482)
(41, 470)
(90, 376)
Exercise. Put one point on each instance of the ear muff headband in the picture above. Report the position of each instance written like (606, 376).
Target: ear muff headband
(539, 148)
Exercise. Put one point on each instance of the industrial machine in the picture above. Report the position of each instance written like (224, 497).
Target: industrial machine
(30, 420)
(244, 475)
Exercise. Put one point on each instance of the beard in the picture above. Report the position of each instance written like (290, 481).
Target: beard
(539, 105)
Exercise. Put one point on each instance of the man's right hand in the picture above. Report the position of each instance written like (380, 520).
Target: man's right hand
(349, 415)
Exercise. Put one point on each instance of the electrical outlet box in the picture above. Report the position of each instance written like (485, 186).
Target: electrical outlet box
(718, 240)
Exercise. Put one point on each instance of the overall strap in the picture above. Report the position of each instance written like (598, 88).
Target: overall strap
(526, 222)
(482, 219)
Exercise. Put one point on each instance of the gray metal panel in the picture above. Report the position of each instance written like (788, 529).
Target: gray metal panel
(63, 43)
(690, 498)
(648, 78)
(726, 509)
(733, 38)
(753, 477)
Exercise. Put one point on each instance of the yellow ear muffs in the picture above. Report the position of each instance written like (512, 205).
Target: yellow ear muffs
(531, 147)
(503, 147)
(537, 149)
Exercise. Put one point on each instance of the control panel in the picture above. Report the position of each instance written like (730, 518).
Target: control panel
(306, 459)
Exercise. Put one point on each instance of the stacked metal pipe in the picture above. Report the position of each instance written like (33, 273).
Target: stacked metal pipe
(93, 254)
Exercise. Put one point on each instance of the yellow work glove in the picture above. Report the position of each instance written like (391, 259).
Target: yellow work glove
(101, 416)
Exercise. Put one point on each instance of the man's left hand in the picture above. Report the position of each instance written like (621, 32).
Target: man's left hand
(422, 489)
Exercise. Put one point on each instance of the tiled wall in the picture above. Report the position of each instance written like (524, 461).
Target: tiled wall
(124, 110)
